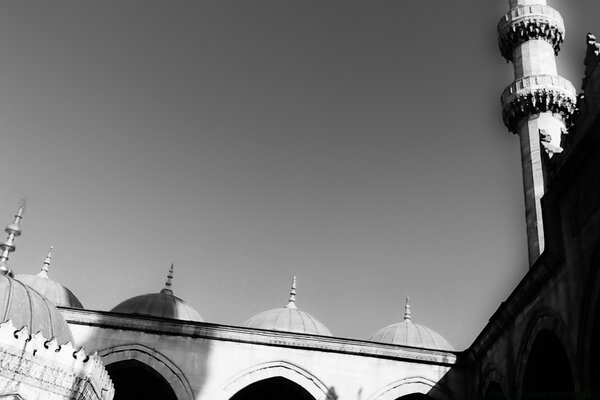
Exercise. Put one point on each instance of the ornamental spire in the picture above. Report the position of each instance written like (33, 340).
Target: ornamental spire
(292, 302)
(167, 289)
(44, 272)
(13, 230)
(407, 316)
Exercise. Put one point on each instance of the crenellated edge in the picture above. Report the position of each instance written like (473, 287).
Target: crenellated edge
(64, 370)
(532, 22)
(592, 58)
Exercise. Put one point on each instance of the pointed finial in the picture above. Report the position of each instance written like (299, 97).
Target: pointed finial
(407, 316)
(13, 230)
(44, 272)
(167, 289)
(292, 302)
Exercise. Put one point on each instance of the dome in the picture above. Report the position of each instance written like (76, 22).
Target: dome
(407, 333)
(162, 305)
(26, 307)
(52, 290)
(288, 319)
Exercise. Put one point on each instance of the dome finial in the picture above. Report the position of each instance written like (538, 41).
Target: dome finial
(407, 316)
(292, 301)
(167, 289)
(13, 231)
(44, 271)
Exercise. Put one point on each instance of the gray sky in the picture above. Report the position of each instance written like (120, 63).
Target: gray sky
(356, 144)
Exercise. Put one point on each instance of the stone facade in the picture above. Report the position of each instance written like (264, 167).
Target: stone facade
(34, 367)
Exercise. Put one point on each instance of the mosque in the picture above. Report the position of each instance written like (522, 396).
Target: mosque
(542, 342)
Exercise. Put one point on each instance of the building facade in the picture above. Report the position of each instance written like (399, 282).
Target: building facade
(542, 342)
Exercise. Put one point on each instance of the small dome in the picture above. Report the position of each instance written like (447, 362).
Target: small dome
(407, 333)
(26, 307)
(288, 319)
(52, 290)
(162, 305)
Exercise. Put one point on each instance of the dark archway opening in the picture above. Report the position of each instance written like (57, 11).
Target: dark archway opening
(548, 372)
(494, 392)
(594, 357)
(414, 396)
(134, 380)
(273, 388)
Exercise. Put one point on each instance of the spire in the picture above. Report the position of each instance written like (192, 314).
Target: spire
(13, 230)
(167, 289)
(407, 316)
(44, 272)
(292, 302)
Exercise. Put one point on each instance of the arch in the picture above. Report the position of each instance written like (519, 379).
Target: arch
(154, 360)
(135, 380)
(413, 385)
(273, 389)
(494, 392)
(589, 329)
(492, 381)
(545, 319)
(275, 369)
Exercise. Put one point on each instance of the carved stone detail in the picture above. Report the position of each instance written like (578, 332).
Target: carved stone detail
(52, 370)
(530, 22)
(536, 94)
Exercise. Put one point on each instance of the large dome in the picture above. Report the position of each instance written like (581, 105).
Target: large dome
(407, 333)
(163, 305)
(26, 307)
(52, 290)
(288, 319)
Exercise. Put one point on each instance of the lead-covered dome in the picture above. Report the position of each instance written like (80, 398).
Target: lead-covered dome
(407, 333)
(288, 319)
(22, 304)
(52, 290)
(26, 307)
(163, 304)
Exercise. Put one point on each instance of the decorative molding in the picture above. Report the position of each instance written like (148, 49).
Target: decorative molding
(283, 369)
(62, 370)
(154, 360)
(532, 22)
(536, 94)
(413, 385)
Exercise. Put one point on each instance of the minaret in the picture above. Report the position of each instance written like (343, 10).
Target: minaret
(539, 104)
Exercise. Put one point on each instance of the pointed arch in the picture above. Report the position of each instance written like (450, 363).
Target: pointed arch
(275, 369)
(589, 328)
(492, 375)
(154, 360)
(546, 327)
(413, 385)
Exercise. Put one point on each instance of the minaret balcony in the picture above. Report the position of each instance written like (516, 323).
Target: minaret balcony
(536, 94)
(533, 22)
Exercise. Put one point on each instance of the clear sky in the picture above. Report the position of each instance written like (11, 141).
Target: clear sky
(356, 144)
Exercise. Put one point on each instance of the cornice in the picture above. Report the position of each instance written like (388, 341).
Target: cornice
(203, 330)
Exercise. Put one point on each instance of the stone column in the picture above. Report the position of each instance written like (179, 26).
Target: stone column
(539, 104)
